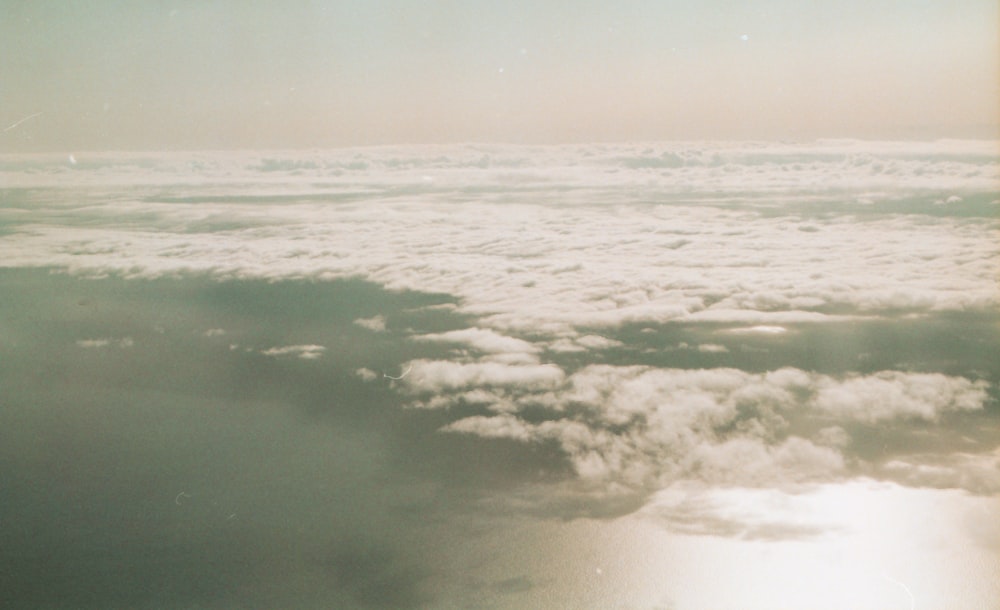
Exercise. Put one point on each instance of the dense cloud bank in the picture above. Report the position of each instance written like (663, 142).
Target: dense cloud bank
(640, 429)
(545, 239)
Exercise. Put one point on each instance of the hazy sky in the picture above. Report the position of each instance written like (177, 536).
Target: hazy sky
(176, 74)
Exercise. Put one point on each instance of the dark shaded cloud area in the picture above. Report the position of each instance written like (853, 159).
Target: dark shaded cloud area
(194, 442)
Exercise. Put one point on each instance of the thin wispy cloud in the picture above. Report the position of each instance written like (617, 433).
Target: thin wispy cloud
(305, 352)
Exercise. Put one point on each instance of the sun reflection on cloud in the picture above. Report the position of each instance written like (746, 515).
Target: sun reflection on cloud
(885, 535)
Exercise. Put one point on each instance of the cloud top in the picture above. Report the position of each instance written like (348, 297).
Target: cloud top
(545, 240)
(305, 352)
(645, 428)
(482, 340)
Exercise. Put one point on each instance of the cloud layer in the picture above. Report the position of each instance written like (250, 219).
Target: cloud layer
(642, 428)
(551, 256)
(546, 239)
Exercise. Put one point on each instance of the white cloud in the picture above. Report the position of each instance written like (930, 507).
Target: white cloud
(366, 374)
(511, 358)
(124, 342)
(741, 512)
(764, 320)
(582, 344)
(480, 339)
(597, 342)
(500, 426)
(734, 240)
(434, 376)
(375, 323)
(215, 332)
(894, 394)
(749, 461)
(712, 348)
(306, 352)
(976, 472)
(644, 428)
(759, 330)
(833, 436)
(496, 400)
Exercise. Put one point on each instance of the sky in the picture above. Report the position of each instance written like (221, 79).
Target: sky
(106, 75)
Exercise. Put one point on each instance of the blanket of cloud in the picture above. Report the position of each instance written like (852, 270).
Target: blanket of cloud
(369, 377)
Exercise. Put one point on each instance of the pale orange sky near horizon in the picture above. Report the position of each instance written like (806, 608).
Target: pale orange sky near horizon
(186, 75)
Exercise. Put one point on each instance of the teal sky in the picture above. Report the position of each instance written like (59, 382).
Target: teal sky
(227, 74)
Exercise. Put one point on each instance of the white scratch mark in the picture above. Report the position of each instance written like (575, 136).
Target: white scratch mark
(913, 600)
(183, 494)
(27, 118)
(405, 373)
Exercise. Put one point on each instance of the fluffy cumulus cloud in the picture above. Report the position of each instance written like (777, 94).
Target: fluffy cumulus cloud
(583, 343)
(977, 472)
(638, 429)
(643, 428)
(305, 352)
(893, 394)
(437, 376)
(375, 323)
(366, 374)
(482, 340)
(501, 426)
